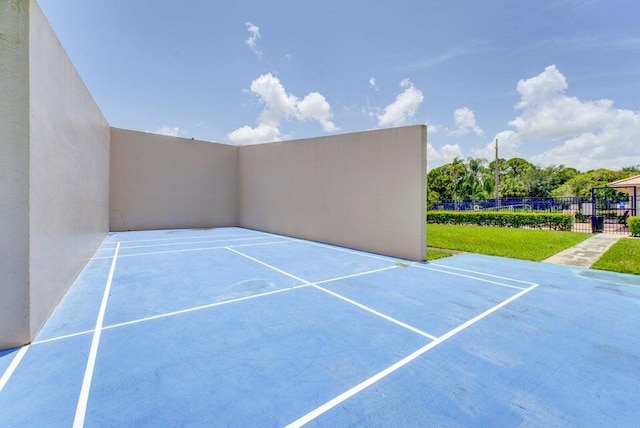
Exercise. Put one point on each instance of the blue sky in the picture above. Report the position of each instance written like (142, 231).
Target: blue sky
(557, 82)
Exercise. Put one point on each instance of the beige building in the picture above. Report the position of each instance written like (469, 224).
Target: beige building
(630, 186)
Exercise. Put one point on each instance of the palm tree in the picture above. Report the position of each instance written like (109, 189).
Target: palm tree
(458, 170)
(474, 182)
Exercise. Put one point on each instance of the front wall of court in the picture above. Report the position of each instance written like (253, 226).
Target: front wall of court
(163, 182)
(363, 190)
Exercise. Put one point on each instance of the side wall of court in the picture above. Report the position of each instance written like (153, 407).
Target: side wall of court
(364, 190)
(163, 182)
(69, 171)
(14, 175)
(56, 189)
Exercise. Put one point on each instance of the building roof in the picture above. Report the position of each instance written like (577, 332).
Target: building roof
(629, 181)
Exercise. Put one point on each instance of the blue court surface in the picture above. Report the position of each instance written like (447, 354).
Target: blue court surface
(233, 327)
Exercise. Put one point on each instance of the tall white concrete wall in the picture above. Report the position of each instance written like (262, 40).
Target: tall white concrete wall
(69, 171)
(363, 190)
(56, 183)
(14, 173)
(162, 182)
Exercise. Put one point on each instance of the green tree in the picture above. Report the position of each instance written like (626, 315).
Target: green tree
(440, 182)
(630, 171)
(518, 167)
(511, 175)
(473, 182)
(458, 173)
(541, 182)
(581, 184)
(513, 187)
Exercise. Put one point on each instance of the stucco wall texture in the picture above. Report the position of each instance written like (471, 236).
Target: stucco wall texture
(67, 178)
(363, 190)
(55, 172)
(69, 171)
(162, 182)
(14, 174)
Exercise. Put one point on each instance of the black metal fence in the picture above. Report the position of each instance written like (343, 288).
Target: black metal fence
(597, 214)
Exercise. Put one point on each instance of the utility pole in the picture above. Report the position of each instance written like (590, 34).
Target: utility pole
(497, 178)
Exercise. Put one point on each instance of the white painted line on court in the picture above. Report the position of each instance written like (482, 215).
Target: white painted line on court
(468, 276)
(403, 362)
(342, 249)
(177, 238)
(379, 314)
(354, 252)
(324, 281)
(391, 259)
(359, 305)
(169, 314)
(211, 305)
(83, 399)
(269, 266)
(198, 308)
(13, 366)
(483, 273)
(122, 247)
(66, 336)
(196, 249)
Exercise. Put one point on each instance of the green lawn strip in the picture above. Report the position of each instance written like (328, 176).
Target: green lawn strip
(623, 257)
(437, 254)
(523, 244)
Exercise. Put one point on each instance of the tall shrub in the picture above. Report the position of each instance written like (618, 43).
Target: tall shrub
(503, 219)
(634, 226)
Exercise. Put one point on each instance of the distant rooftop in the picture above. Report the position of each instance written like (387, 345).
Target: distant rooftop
(629, 181)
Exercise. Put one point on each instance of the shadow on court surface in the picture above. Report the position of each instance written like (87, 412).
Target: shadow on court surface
(232, 327)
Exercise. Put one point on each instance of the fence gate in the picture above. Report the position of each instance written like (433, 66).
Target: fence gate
(610, 209)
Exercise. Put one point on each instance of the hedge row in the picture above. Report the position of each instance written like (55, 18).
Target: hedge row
(503, 219)
(634, 226)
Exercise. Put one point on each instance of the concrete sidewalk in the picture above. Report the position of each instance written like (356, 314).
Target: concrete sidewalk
(587, 252)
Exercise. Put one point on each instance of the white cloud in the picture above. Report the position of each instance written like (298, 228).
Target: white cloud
(403, 108)
(508, 143)
(614, 145)
(433, 129)
(260, 134)
(279, 106)
(314, 106)
(252, 40)
(445, 154)
(372, 83)
(465, 120)
(548, 114)
(587, 134)
(167, 130)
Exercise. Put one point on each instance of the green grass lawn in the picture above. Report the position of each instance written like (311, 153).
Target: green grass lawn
(437, 254)
(623, 256)
(524, 244)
